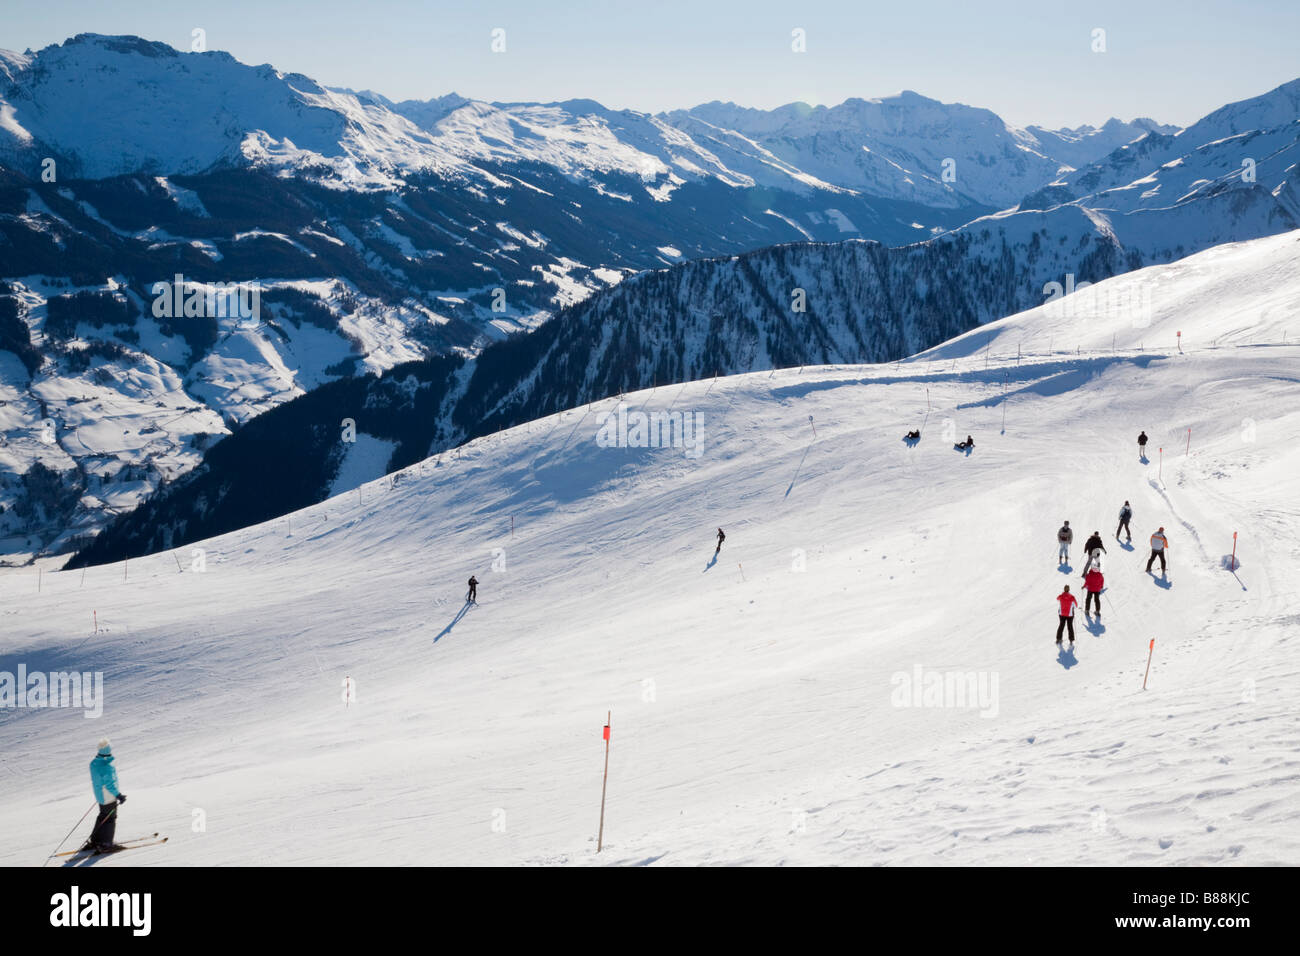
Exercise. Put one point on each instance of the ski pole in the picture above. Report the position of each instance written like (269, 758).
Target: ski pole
(70, 832)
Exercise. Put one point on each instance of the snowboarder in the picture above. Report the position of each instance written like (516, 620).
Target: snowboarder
(103, 780)
(1159, 545)
(913, 435)
(472, 597)
(968, 443)
(721, 538)
(1142, 445)
(1093, 549)
(1064, 537)
(1067, 603)
(1093, 582)
(1125, 514)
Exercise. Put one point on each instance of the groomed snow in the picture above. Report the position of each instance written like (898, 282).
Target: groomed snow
(758, 714)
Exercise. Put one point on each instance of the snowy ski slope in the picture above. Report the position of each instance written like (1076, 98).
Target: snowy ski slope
(759, 713)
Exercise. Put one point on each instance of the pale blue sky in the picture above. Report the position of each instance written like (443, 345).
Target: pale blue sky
(1029, 62)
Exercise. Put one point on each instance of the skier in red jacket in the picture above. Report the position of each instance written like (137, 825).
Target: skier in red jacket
(1067, 603)
(1093, 582)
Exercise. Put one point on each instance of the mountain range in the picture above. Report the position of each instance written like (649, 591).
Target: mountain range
(403, 242)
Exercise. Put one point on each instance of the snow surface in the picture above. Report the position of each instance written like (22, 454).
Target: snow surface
(757, 709)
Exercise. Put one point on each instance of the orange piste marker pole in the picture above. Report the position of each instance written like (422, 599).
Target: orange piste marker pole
(1151, 649)
(600, 836)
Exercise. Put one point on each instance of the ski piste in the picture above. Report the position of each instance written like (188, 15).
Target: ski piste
(150, 840)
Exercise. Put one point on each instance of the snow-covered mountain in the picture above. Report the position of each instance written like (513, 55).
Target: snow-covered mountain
(382, 233)
(1252, 143)
(864, 675)
(862, 302)
(904, 144)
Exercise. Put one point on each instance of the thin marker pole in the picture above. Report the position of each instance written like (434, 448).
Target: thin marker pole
(600, 836)
(1151, 649)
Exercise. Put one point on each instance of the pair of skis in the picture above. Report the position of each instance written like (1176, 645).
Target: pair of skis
(152, 840)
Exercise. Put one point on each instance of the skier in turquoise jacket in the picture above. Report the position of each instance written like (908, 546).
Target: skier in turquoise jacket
(103, 781)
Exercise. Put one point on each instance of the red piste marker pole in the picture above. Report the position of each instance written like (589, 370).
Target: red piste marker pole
(1151, 649)
(1161, 473)
(600, 837)
(1233, 563)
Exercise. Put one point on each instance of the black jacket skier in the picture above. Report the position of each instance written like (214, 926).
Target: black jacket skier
(1142, 444)
(472, 597)
(1090, 548)
(721, 538)
(1125, 514)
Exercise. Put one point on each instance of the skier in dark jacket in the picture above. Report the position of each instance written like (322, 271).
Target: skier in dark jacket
(913, 435)
(721, 538)
(1142, 445)
(472, 597)
(1093, 548)
(968, 443)
(1125, 514)
(103, 780)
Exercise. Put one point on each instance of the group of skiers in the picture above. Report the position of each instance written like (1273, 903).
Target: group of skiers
(1093, 581)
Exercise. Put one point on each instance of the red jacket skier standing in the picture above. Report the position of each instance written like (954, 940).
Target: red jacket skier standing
(1093, 582)
(1067, 603)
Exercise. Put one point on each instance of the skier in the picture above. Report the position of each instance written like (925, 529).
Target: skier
(1093, 549)
(472, 597)
(1064, 537)
(1093, 582)
(968, 443)
(1159, 545)
(913, 435)
(103, 780)
(1067, 603)
(1125, 514)
(1142, 445)
(721, 538)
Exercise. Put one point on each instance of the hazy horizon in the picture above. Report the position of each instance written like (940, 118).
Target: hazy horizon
(1172, 64)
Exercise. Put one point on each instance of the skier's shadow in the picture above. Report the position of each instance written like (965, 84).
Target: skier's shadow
(1066, 657)
(1066, 568)
(965, 450)
(1126, 545)
(712, 561)
(454, 621)
(1095, 627)
(1144, 459)
(1162, 581)
(911, 442)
